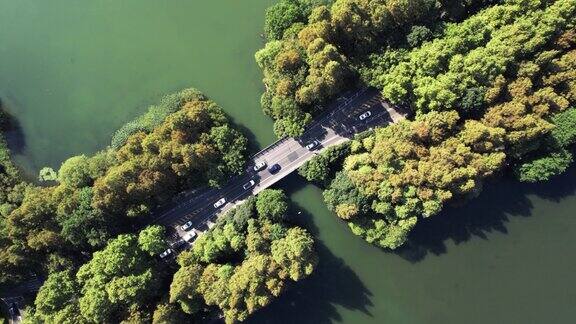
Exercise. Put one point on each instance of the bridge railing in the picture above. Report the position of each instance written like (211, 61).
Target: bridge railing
(269, 147)
(319, 119)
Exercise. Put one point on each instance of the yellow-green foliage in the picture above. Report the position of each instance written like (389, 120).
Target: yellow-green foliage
(243, 263)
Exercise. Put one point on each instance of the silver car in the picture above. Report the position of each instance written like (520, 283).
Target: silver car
(165, 253)
(365, 115)
(186, 226)
(220, 203)
(248, 184)
(312, 144)
(259, 166)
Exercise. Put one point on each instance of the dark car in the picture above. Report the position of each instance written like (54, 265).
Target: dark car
(176, 245)
(274, 168)
(13, 310)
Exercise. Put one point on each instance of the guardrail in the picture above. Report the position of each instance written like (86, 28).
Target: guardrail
(319, 119)
(270, 147)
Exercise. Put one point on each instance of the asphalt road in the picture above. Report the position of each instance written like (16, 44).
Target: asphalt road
(339, 124)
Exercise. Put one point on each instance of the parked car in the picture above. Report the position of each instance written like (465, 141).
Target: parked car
(365, 115)
(13, 310)
(259, 166)
(220, 203)
(186, 226)
(312, 145)
(249, 184)
(210, 224)
(176, 244)
(189, 236)
(274, 168)
(166, 253)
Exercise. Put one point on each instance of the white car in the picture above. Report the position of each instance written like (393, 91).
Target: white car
(259, 166)
(219, 203)
(186, 226)
(189, 236)
(365, 115)
(249, 184)
(312, 144)
(165, 253)
(210, 224)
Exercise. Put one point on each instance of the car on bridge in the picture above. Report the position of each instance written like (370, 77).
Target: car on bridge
(274, 168)
(259, 166)
(312, 145)
(249, 184)
(186, 226)
(365, 115)
(220, 203)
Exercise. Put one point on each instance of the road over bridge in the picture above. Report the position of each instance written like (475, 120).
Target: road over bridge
(338, 124)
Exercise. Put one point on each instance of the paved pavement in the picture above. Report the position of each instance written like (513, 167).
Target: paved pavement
(13, 306)
(13, 298)
(339, 124)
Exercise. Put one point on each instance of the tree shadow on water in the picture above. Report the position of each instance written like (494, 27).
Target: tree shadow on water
(333, 283)
(12, 129)
(314, 299)
(500, 200)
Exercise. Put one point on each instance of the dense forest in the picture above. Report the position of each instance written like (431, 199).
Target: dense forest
(491, 85)
(98, 197)
(492, 91)
(244, 262)
(316, 48)
(82, 233)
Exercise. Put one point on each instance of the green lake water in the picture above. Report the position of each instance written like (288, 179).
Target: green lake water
(71, 72)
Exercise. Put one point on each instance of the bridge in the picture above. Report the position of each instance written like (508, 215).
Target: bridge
(338, 124)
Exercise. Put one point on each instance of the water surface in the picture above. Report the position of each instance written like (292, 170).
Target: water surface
(506, 257)
(71, 72)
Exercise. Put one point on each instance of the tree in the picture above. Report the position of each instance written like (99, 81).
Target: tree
(74, 172)
(284, 14)
(295, 253)
(564, 132)
(84, 226)
(151, 239)
(167, 313)
(243, 262)
(47, 174)
(544, 167)
(343, 192)
(271, 204)
(58, 291)
(418, 35)
(118, 277)
(252, 286)
(315, 169)
(183, 289)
